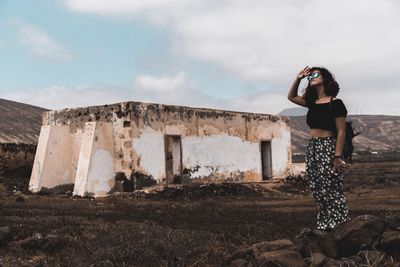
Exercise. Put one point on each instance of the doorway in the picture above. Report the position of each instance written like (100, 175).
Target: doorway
(266, 160)
(173, 159)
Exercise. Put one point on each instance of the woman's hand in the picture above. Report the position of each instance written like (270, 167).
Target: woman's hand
(303, 73)
(338, 165)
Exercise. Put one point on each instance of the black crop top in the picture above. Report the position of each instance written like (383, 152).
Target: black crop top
(320, 117)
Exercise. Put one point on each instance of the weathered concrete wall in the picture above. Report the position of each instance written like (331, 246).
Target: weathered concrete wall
(95, 170)
(141, 139)
(52, 165)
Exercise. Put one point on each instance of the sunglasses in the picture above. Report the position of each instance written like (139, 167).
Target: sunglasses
(315, 75)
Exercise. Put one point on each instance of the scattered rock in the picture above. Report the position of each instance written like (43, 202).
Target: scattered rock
(352, 243)
(30, 243)
(50, 243)
(195, 191)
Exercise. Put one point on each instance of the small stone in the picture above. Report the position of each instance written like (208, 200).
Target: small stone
(318, 259)
(239, 263)
(242, 254)
(5, 235)
(390, 243)
(20, 199)
(282, 258)
(262, 247)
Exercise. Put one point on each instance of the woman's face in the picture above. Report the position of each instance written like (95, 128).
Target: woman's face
(318, 80)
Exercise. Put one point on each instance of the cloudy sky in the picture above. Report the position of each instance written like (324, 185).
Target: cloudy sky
(236, 55)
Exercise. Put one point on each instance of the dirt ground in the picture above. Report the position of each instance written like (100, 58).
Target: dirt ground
(198, 226)
(132, 231)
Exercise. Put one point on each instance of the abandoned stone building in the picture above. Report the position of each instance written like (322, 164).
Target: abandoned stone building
(98, 150)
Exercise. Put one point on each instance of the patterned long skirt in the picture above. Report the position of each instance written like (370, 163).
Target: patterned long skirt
(326, 186)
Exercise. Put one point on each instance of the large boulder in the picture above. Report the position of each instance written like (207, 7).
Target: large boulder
(393, 222)
(362, 231)
(364, 241)
(315, 241)
(390, 243)
(255, 250)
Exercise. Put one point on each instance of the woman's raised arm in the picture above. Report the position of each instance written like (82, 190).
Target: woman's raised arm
(292, 95)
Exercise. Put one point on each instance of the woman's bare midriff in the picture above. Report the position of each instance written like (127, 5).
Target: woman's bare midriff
(321, 133)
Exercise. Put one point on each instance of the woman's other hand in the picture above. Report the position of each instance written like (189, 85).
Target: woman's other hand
(303, 73)
(338, 165)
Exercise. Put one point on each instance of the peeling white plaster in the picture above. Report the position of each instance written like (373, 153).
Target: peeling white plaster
(280, 153)
(101, 173)
(150, 148)
(222, 153)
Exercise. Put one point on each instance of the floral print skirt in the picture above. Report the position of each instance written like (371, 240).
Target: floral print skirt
(326, 186)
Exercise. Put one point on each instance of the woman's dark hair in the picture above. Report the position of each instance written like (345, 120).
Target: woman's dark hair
(331, 87)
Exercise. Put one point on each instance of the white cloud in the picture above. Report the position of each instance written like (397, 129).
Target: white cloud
(161, 84)
(41, 44)
(179, 90)
(173, 89)
(270, 41)
(176, 89)
(58, 97)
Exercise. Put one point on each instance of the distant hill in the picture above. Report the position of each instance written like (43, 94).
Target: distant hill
(379, 132)
(299, 111)
(19, 122)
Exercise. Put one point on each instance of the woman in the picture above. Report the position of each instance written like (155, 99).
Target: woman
(324, 164)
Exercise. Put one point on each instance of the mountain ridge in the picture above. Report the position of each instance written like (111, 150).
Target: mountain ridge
(19, 122)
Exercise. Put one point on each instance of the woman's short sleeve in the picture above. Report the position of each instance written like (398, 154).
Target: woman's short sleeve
(339, 109)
